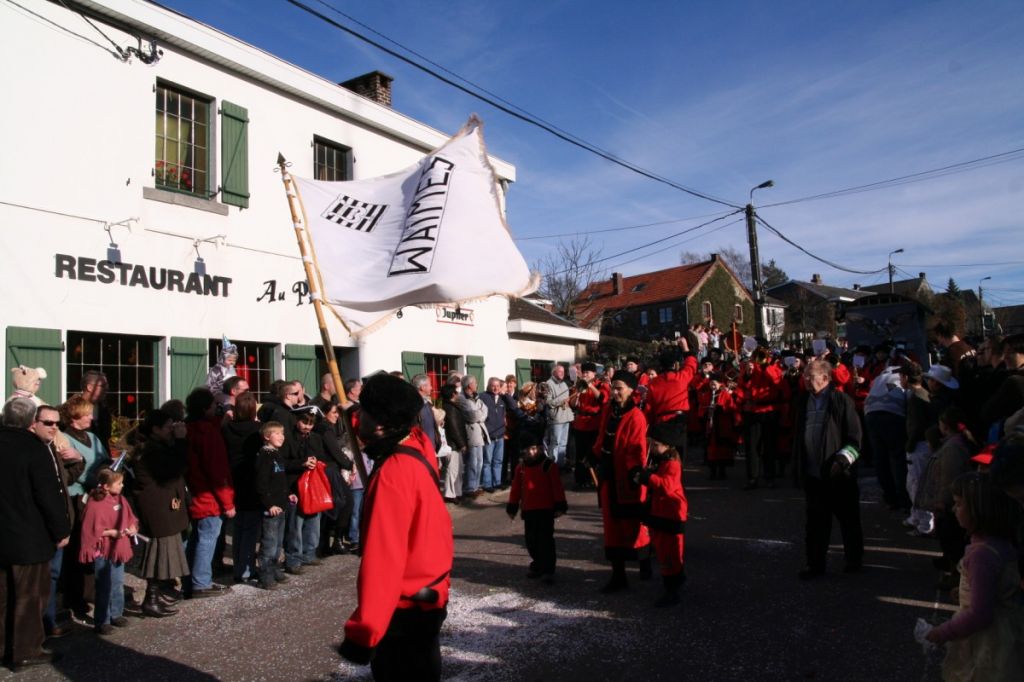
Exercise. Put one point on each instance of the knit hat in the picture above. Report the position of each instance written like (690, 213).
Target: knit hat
(665, 432)
(627, 378)
(527, 440)
(588, 367)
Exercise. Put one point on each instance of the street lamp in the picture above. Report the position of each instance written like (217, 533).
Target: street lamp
(892, 269)
(981, 304)
(755, 263)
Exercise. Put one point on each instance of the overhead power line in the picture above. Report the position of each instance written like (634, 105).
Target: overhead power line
(511, 110)
(815, 257)
(963, 265)
(679, 243)
(656, 241)
(616, 229)
(962, 167)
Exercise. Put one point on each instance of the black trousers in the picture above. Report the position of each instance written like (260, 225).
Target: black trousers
(952, 538)
(410, 650)
(24, 592)
(887, 434)
(839, 497)
(583, 444)
(760, 439)
(540, 540)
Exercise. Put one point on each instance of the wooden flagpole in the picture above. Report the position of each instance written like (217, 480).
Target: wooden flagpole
(313, 280)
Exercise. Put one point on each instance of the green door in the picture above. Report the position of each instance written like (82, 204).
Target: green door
(413, 363)
(188, 365)
(300, 365)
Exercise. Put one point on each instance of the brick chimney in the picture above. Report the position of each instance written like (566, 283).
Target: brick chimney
(921, 275)
(374, 85)
(815, 278)
(856, 287)
(618, 288)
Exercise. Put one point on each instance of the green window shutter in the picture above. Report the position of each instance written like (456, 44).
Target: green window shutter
(523, 374)
(234, 155)
(188, 365)
(475, 367)
(413, 363)
(300, 365)
(37, 348)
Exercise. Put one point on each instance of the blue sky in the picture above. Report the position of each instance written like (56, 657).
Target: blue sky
(718, 96)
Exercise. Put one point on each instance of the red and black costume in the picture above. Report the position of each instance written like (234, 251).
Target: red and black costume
(404, 577)
(621, 447)
(537, 489)
(718, 415)
(758, 395)
(586, 427)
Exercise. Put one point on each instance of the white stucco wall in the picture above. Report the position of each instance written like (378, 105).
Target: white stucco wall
(78, 139)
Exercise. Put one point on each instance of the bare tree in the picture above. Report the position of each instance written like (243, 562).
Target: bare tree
(738, 261)
(566, 272)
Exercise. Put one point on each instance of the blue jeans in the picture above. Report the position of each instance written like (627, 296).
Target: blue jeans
(50, 614)
(201, 545)
(301, 537)
(243, 543)
(270, 547)
(109, 590)
(494, 453)
(357, 511)
(472, 464)
(555, 440)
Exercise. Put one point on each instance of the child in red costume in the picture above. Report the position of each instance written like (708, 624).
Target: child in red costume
(663, 477)
(537, 486)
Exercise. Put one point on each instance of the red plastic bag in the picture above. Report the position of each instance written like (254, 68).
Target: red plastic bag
(315, 491)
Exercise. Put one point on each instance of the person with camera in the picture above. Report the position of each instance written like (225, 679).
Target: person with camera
(587, 398)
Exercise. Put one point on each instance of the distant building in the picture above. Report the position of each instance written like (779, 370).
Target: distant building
(812, 307)
(1009, 319)
(656, 305)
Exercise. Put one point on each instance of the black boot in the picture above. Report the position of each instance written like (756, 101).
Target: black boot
(618, 580)
(645, 569)
(152, 607)
(672, 584)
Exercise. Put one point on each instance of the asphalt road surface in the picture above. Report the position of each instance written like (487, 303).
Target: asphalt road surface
(744, 616)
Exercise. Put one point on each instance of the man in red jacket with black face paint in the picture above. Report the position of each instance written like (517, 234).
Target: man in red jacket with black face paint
(406, 536)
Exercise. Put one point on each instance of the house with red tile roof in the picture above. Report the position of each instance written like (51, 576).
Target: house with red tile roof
(655, 305)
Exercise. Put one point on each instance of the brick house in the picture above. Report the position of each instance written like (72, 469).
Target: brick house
(655, 305)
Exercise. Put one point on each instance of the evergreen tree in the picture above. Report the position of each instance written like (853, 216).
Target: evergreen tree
(772, 274)
(952, 289)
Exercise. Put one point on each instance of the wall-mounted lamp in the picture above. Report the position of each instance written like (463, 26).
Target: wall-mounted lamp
(199, 267)
(113, 250)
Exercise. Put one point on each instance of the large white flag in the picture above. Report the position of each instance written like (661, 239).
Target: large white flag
(433, 233)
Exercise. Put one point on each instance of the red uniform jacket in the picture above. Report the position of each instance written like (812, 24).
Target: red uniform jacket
(536, 486)
(669, 392)
(668, 499)
(629, 451)
(407, 542)
(588, 408)
(723, 435)
(841, 378)
(759, 390)
(209, 474)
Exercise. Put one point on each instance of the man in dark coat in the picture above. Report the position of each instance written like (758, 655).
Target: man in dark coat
(33, 524)
(826, 443)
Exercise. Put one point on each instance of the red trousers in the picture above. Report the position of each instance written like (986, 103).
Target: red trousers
(668, 547)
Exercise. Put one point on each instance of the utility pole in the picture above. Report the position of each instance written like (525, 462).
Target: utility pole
(981, 305)
(755, 263)
(892, 270)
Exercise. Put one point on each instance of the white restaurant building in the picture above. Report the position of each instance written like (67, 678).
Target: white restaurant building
(170, 157)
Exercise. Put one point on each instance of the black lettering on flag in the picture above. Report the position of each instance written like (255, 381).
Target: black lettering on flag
(354, 214)
(423, 218)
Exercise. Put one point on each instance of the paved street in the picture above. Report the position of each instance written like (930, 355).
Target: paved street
(745, 615)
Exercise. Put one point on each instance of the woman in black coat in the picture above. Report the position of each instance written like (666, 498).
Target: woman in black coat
(160, 505)
(243, 442)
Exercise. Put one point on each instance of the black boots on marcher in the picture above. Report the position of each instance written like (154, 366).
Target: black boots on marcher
(152, 606)
(672, 584)
(618, 580)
